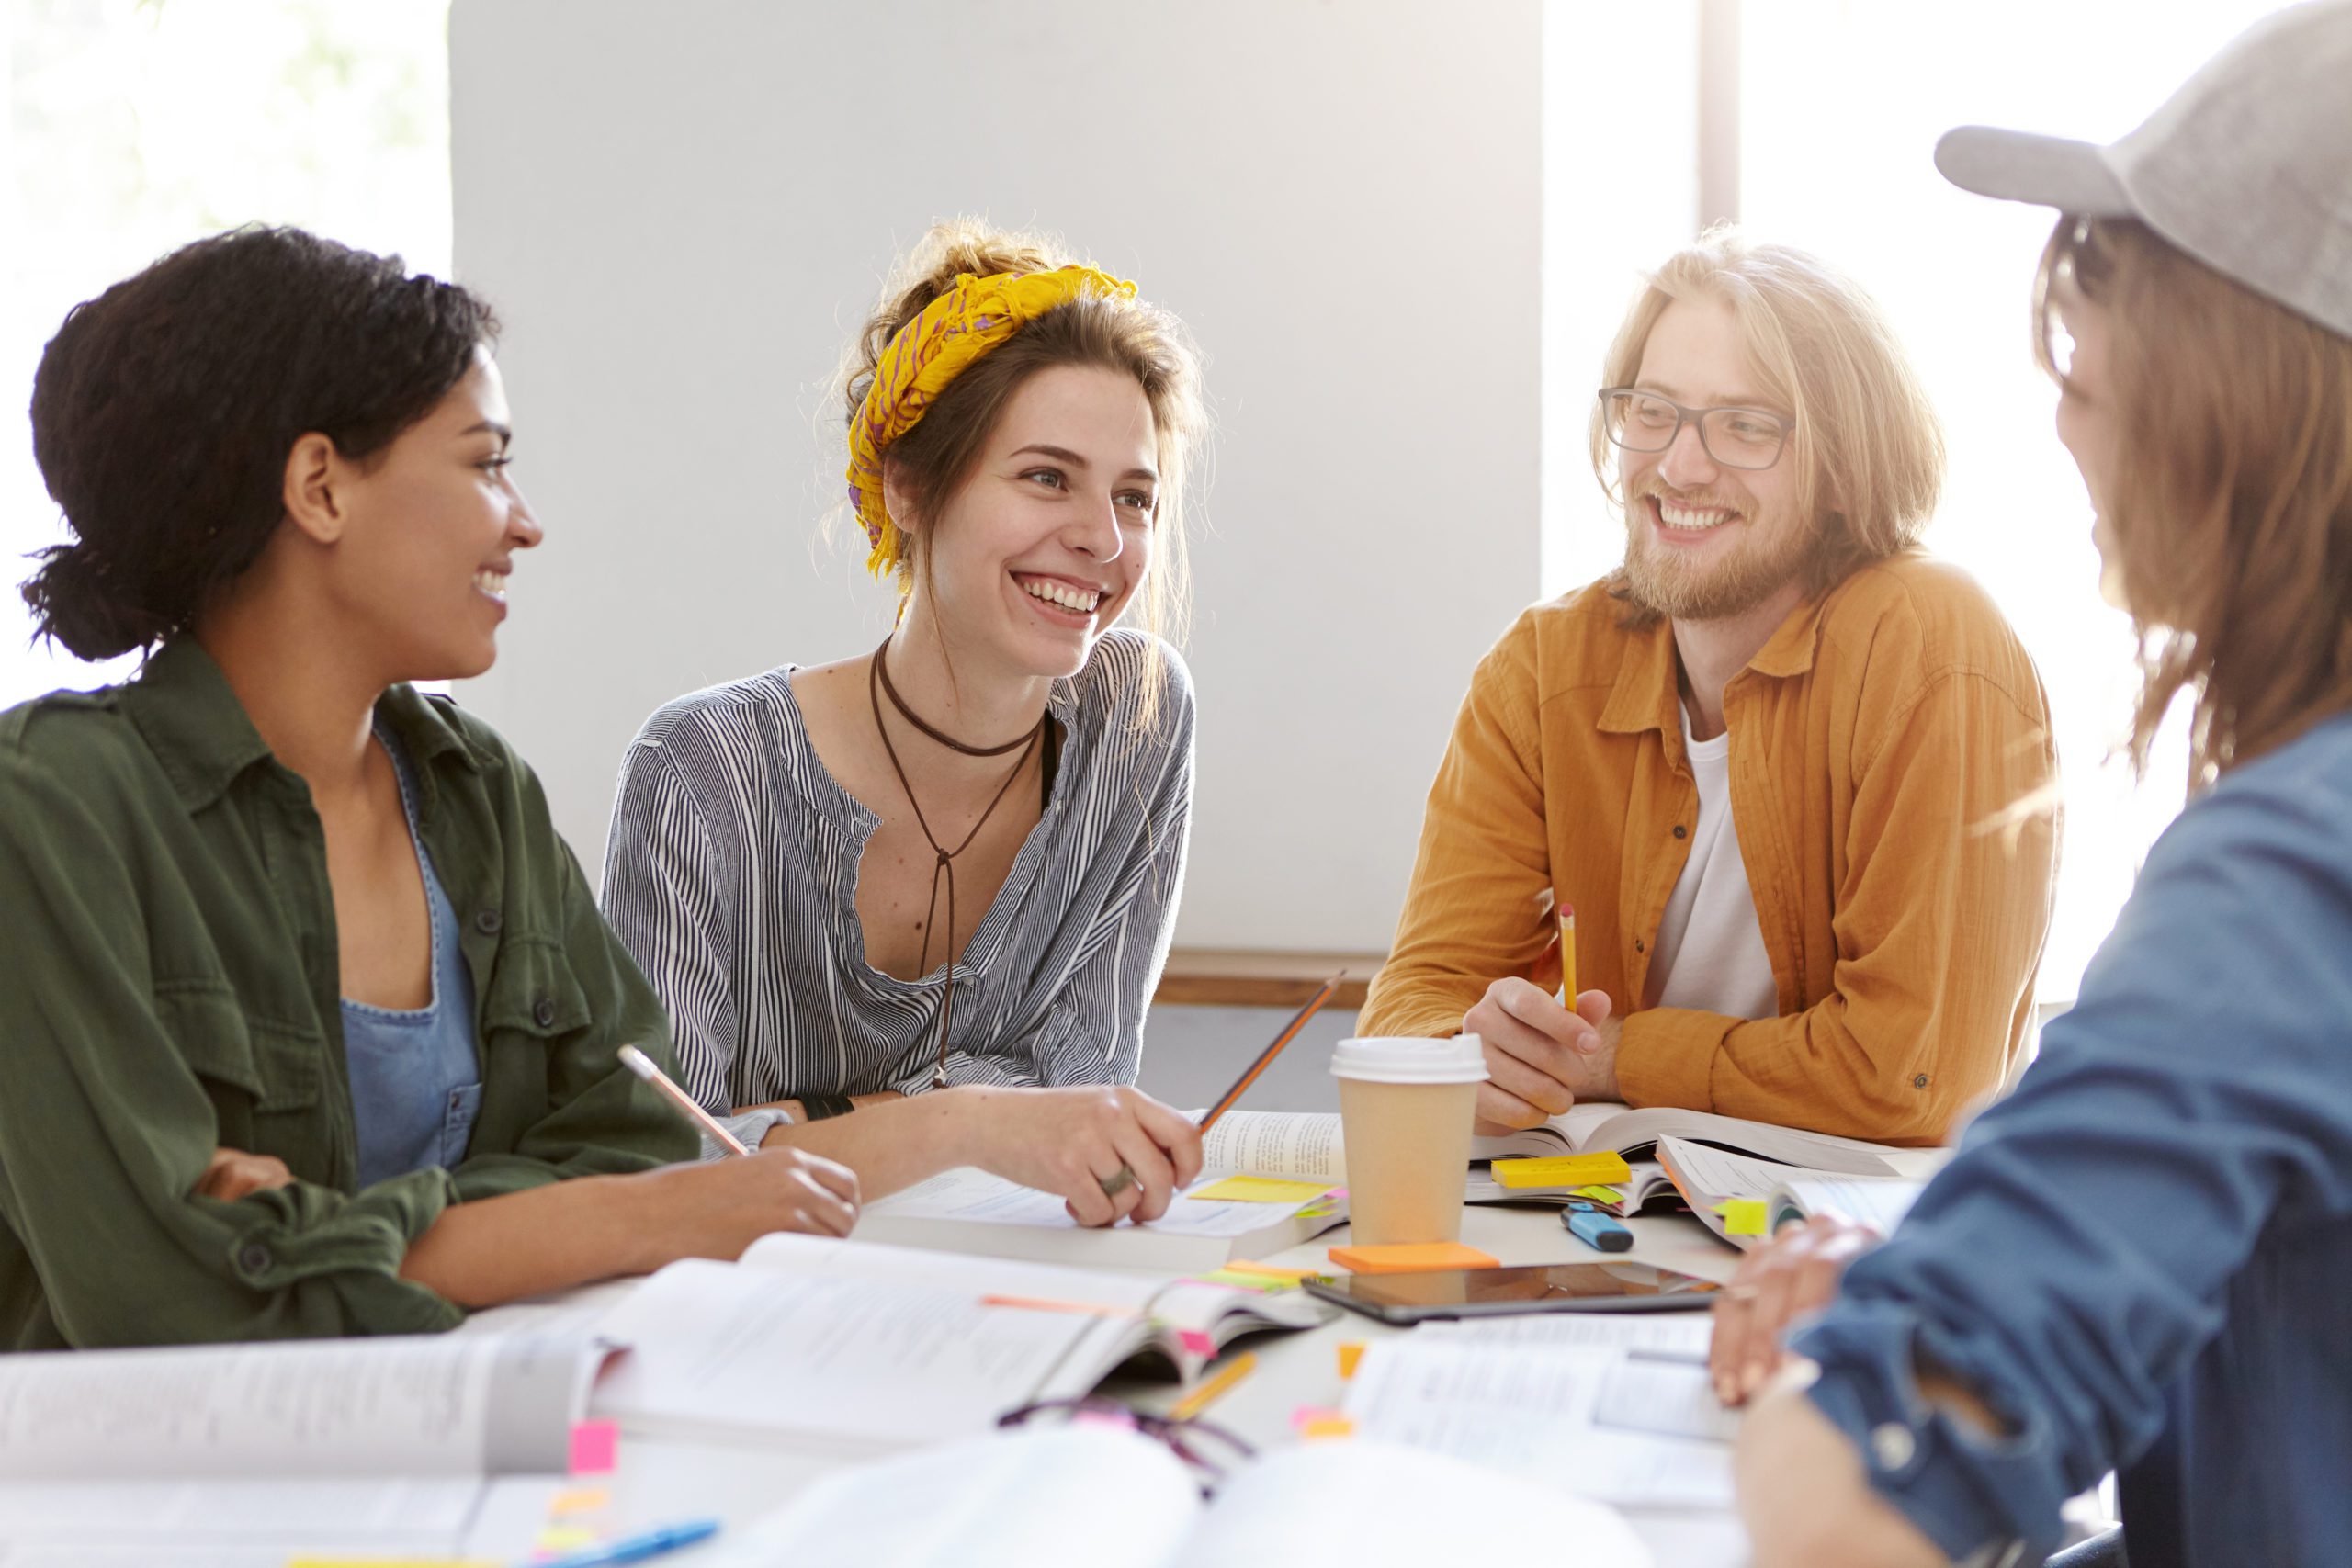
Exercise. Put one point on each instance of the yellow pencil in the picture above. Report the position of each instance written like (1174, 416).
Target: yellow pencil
(1209, 1393)
(1568, 954)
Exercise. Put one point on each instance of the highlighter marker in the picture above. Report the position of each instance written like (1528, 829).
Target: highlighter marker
(1595, 1229)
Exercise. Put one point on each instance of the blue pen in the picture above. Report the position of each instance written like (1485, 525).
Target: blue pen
(1595, 1229)
(636, 1548)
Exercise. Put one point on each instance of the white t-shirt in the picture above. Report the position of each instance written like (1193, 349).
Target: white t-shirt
(1710, 950)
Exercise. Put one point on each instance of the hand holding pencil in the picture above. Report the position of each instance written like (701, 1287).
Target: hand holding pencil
(1545, 1049)
(717, 1208)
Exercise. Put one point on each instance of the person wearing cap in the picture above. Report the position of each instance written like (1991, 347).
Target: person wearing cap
(2140, 1260)
(1780, 762)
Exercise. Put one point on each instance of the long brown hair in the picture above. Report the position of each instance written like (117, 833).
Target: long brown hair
(2231, 499)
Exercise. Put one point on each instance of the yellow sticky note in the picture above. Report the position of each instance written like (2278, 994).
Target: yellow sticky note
(1331, 1425)
(566, 1537)
(580, 1500)
(1351, 1357)
(1241, 1280)
(1743, 1216)
(1563, 1170)
(1260, 1190)
(1269, 1271)
(1600, 1194)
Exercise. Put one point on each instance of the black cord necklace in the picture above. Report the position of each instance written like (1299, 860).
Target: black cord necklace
(878, 682)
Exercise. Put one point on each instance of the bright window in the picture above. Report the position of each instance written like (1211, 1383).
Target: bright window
(134, 128)
(1840, 104)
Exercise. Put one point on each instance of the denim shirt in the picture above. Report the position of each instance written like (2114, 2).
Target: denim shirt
(415, 1078)
(2143, 1258)
(173, 981)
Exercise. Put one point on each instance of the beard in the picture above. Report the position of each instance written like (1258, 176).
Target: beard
(1659, 580)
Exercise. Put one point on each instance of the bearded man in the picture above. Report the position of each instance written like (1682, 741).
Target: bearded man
(1791, 773)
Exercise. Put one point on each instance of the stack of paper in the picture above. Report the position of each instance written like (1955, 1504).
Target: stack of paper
(1601, 1407)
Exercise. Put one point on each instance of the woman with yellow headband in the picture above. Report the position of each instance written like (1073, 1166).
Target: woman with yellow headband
(907, 909)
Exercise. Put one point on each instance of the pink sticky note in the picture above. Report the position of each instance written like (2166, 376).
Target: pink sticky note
(1315, 1421)
(595, 1448)
(1197, 1341)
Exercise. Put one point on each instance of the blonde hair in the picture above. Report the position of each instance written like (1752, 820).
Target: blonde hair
(1869, 448)
(2231, 501)
(931, 462)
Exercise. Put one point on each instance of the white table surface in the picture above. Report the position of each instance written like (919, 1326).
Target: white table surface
(663, 1480)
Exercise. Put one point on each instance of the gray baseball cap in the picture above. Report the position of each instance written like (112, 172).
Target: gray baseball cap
(2247, 167)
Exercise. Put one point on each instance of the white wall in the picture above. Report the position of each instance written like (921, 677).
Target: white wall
(683, 211)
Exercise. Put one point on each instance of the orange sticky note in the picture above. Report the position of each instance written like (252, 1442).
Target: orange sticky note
(1415, 1257)
(1350, 1354)
(1311, 1422)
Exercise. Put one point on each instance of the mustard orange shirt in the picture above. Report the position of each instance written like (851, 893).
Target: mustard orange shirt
(1883, 743)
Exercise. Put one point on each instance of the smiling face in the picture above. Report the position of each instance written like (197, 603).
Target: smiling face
(431, 527)
(1050, 538)
(1703, 541)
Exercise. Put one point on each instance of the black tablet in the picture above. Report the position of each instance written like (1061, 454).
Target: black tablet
(1501, 1292)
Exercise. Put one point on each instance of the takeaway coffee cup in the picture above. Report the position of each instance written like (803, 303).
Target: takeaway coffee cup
(1405, 1108)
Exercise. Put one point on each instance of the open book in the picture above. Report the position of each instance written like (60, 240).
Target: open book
(1709, 1176)
(1087, 1497)
(1308, 1145)
(871, 1347)
(970, 1210)
(1600, 1125)
(372, 1447)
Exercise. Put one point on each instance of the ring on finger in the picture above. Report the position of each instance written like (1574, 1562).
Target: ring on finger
(1118, 1181)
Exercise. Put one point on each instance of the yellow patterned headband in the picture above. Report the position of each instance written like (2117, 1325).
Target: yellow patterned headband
(952, 334)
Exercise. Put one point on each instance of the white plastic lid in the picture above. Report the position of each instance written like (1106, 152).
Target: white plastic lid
(1462, 1059)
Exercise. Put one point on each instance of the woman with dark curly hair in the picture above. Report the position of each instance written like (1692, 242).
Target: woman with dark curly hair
(312, 1022)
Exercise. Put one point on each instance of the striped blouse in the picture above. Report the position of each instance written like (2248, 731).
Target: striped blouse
(732, 877)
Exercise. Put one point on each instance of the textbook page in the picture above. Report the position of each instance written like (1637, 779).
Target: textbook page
(1714, 1174)
(879, 1364)
(1674, 1335)
(969, 1211)
(1278, 1142)
(1530, 1413)
(1076, 1495)
(1366, 1501)
(975, 1196)
(1880, 1204)
(410, 1405)
(1091, 1497)
(1596, 1125)
(221, 1522)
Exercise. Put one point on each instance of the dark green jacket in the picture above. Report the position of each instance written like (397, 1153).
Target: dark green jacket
(168, 983)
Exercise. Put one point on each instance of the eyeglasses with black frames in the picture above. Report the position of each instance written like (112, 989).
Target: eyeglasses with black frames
(1737, 439)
